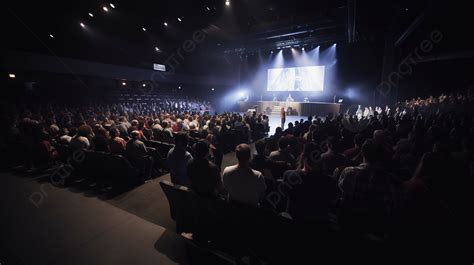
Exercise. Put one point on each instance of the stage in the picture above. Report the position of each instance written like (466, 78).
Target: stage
(275, 121)
(293, 108)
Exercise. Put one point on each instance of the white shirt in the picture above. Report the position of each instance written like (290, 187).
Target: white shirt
(244, 185)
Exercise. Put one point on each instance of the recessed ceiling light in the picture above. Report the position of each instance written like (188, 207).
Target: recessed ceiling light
(144, 29)
(208, 9)
(12, 75)
(179, 19)
(112, 5)
(212, 89)
(51, 36)
(105, 9)
(166, 24)
(124, 84)
(143, 85)
(227, 2)
(157, 49)
(82, 25)
(91, 15)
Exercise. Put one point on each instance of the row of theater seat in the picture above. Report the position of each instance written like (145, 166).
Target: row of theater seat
(101, 167)
(232, 230)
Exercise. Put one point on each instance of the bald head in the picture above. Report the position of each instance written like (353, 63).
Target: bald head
(242, 152)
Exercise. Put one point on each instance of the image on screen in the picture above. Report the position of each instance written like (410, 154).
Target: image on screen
(308, 78)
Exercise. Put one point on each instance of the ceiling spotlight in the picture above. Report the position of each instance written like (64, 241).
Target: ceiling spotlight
(208, 9)
(12, 76)
(82, 25)
(105, 9)
(302, 49)
(166, 24)
(144, 29)
(124, 84)
(179, 87)
(340, 100)
(227, 2)
(212, 89)
(143, 85)
(112, 5)
(179, 19)
(91, 15)
(51, 36)
(406, 9)
(157, 49)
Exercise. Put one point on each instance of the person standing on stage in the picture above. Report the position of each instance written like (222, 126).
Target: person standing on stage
(283, 117)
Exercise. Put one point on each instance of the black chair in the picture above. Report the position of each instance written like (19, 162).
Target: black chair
(159, 163)
(119, 171)
(180, 202)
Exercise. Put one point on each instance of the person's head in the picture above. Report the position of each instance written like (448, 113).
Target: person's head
(290, 125)
(114, 132)
(278, 130)
(359, 140)
(134, 134)
(370, 151)
(53, 130)
(260, 147)
(102, 132)
(85, 131)
(242, 152)
(283, 143)
(310, 157)
(201, 149)
(63, 131)
(181, 139)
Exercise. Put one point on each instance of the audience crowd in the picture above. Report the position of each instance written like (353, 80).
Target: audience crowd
(403, 176)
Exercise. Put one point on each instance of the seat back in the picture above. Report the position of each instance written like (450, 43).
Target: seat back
(180, 202)
(93, 164)
(117, 169)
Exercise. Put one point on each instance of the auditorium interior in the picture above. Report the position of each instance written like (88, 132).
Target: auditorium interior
(236, 132)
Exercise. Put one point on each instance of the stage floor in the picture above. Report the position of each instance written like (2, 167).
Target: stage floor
(275, 121)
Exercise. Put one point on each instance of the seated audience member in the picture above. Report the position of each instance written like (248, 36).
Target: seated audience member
(332, 159)
(312, 194)
(308, 135)
(81, 140)
(283, 153)
(355, 150)
(117, 144)
(64, 137)
(205, 176)
(101, 140)
(178, 158)
(260, 161)
(368, 193)
(290, 130)
(46, 152)
(136, 149)
(167, 132)
(243, 184)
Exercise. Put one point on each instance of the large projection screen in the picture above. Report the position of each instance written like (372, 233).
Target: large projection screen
(308, 78)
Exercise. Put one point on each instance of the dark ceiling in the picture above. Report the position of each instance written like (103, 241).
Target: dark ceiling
(117, 37)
